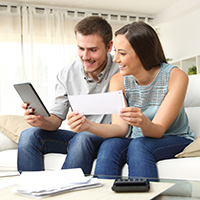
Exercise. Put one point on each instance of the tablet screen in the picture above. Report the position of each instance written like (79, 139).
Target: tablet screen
(28, 95)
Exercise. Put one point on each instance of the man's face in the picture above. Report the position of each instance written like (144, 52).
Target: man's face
(93, 53)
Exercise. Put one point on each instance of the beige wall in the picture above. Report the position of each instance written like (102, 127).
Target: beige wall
(179, 29)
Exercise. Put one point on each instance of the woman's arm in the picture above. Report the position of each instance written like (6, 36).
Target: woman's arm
(167, 112)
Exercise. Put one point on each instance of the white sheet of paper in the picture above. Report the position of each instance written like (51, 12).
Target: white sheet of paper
(45, 183)
(101, 103)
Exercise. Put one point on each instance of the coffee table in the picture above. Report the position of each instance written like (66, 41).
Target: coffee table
(180, 189)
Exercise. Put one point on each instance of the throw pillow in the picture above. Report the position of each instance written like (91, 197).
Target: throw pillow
(192, 150)
(12, 126)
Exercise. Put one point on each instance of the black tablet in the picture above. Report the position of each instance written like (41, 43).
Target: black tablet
(28, 95)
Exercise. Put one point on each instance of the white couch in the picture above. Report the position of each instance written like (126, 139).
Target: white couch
(178, 168)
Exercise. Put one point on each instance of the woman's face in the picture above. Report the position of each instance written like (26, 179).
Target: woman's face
(125, 57)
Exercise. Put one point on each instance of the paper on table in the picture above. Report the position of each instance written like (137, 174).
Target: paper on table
(94, 104)
(43, 183)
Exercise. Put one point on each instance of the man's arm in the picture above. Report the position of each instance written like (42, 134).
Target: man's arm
(46, 123)
(118, 128)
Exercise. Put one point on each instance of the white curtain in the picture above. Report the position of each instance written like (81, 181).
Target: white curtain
(11, 69)
(35, 44)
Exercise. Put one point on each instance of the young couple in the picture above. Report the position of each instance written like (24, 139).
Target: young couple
(154, 93)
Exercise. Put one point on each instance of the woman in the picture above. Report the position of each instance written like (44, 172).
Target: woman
(155, 92)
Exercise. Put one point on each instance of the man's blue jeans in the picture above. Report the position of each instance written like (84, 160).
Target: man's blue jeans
(81, 148)
(141, 155)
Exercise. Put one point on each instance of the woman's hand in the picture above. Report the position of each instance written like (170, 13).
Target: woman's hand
(77, 122)
(133, 116)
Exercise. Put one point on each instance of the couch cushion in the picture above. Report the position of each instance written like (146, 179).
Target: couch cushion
(8, 160)
(192, 103)
(54, 161)
(12, 126)
(193, 93)
(193, 116)
(179, 168)
(6, 142)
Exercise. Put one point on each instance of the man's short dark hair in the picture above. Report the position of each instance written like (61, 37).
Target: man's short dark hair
(95, 25)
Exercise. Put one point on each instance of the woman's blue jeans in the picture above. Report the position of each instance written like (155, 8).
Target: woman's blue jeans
(141, 155)
(81, 148)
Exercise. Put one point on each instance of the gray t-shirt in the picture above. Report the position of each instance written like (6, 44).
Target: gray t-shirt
(72, 80)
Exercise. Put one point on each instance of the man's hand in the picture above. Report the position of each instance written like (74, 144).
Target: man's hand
(77, 122)
(33, 120)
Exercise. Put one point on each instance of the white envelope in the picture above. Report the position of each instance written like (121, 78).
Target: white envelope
(96, 104)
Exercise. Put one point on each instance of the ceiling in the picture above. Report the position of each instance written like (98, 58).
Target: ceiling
(142, 7)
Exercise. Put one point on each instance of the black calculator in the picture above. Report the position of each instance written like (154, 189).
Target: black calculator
(131, 185)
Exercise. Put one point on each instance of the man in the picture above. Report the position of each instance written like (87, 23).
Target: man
(89, 74)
